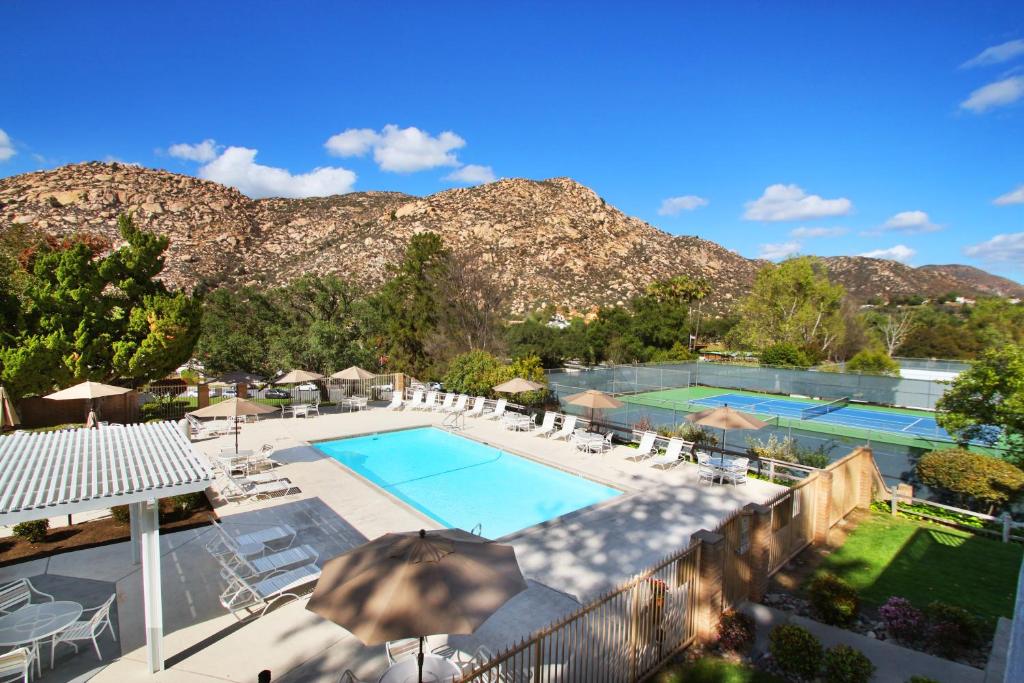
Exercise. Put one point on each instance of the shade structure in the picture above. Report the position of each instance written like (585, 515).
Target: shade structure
(87, 390)
(409, 585)
(354, 373)
(8, 415)
(725, 417)
(594, 399)
(518, 386)
(298, 377)
(233, 408)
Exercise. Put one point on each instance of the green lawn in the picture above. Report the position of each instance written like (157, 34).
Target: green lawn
(714, 670)
(886, 556)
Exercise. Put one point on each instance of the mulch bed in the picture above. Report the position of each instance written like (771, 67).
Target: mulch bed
(99, 532)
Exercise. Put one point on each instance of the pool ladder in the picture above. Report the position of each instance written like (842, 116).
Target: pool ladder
(454, 421)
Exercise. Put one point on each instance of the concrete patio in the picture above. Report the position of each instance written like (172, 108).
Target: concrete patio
(566, 561)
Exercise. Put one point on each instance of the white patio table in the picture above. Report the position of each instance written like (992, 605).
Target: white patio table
(33, 623)
(517, 421)
(435, 669)
(300, 409)
(588, 441)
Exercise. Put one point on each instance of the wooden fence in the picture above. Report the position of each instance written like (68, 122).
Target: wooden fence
(36, 411)
(629, 633)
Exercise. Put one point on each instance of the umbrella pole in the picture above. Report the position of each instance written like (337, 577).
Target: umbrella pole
(235, 425)
(419, 660)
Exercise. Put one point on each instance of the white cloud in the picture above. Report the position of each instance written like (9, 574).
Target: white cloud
(472, 174)
(910, 222)
(237, 167)
(900, 252)
(201, 151)
(790, 203)
(6, 146)
(805, 233)
(997, 54)
(779, 251)
(1005, 248)
(674, 205)
(998, 94)
(1011, 197)
(401, 150)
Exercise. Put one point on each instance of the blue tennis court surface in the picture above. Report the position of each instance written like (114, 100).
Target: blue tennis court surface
(849, 416)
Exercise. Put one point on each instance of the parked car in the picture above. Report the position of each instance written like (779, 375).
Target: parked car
(229, 392)
(277, 392)
(308, 386)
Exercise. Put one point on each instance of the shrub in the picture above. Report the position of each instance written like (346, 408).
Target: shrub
(121, 514)
(796, 651)
(834, 601)
(187, 502)
(735, 631)
(921, 679)
(696, 434)
(903, 621)
(972, 476)
(34, 531)
(951, 629)
(785, 355)
(844, 664)
(873, 361)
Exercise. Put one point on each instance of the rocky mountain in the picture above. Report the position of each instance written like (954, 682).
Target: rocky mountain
(543, 242)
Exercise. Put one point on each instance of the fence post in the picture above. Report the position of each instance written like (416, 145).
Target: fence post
(823, 507)
(895, 501)
(399, 384)
(242, 390)
(203, 395)
(759, 554)
(710, 590)
(865, 483)
(1006, 526)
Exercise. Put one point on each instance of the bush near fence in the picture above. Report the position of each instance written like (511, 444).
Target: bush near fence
(630, 633)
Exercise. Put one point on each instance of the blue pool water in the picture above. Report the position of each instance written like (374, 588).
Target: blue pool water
(461, 483)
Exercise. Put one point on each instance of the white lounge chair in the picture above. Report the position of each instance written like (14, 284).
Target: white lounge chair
(646, 449)
(478, 407)
(242, 594)
(547, 426)
(250, 566)
(568, 426)
(460, 405)
(263, 488)
(497, 411)
(416, 402)
(428, 402)
(446, 404)
(88, 629)
(672, 455)
(396, 401)
(258, 541)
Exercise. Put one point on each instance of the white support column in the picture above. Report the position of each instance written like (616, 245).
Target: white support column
(134, 513)
(149, 525)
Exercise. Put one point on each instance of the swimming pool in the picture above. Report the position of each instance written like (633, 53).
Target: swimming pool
(462, 483)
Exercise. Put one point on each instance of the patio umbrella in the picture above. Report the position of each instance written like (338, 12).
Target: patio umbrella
(354, 373)
(725, 418)
(595, 400)
(8, 415)
(233, 407)
(298, 377)
(411, 585)
(90, 391)
(518, 386)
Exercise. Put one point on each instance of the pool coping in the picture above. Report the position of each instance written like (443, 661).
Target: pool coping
(627, 492)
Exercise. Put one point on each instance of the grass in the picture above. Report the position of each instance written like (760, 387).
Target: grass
(714, 670)
(886, 556)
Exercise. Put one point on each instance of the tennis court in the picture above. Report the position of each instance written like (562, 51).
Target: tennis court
(835, 413)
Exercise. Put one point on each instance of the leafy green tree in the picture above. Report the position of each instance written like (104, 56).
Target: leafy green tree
(533, 337)
(874, 361)
(529, 368)
(988, 394)
(792, 302)
(471, 373)
(974, 479)
(86, 314)
(785, 355)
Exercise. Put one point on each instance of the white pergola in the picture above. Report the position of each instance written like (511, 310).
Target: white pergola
(47, 474)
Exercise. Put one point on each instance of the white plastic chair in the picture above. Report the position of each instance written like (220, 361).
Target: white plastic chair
(735, 471)
(478, 407)
(705, 470)
(396, 401)
(242, 595)
(646, 449)
(446, 404)
(19, 593)
(497, 411)
(671, 458)
(548, 425)
(89, 629)
(568, 426)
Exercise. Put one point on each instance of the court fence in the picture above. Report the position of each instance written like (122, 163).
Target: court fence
(632, 631)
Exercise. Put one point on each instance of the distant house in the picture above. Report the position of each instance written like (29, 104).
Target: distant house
(558, 321)
(964, 301)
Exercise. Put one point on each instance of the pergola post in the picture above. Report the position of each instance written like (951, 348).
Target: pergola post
(149, 526)
(134, 513)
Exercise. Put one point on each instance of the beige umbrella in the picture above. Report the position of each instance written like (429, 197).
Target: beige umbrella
(725, 418)
(298, 377)
(595, 400)
(518, 386)
(411, 585)
(233, 407)
(354, 373)
(8, 415)
(88, 390)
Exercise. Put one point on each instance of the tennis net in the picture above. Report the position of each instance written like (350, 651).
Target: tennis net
(824, 408)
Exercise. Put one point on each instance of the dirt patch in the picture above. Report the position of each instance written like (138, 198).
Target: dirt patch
(795, 573)
(99, 532)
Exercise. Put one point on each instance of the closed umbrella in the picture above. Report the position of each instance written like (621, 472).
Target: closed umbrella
(89, 391)
(725, 418)
(8, 415)
(594, 400)
(233, 408)
(411, 585)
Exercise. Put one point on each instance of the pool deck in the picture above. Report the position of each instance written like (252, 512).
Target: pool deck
(566, 561)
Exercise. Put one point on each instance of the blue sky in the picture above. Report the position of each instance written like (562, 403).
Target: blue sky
(775, 127)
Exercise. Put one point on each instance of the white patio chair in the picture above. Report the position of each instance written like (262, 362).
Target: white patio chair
(88, 629)
(497, 411)
(646, 449)
(16, 665)
(416, 402)
(568, 426)
(705, 470)
(314, 407)
(242, 595)
(672, 455)
(18, 593)
(256, 542)
(459, 406)
(547, 426)
(397, 650)
(607, 445)
(446, 404)
(396, 401)
(478, 407)
(428, 402)
(735, 471)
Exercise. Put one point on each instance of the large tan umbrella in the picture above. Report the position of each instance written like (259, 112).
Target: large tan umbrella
(518, 386)
(90, 391)
(725, 418)
(8, 415)
(353, 373)
(233, 408)
(298, 377)
(411, 585)
(595, 400)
